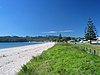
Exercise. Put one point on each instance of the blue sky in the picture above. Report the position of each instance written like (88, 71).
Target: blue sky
(47, 17)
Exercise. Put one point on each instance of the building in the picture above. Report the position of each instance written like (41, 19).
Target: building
(98, 38)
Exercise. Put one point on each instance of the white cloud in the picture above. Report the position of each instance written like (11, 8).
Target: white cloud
(54, 32)
(50, 32)
(66, 31)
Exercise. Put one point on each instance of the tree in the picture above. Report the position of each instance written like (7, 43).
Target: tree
(90, 30)
(65, 39)
(59, 38)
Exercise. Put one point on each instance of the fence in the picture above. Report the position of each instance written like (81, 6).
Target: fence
(88, 50)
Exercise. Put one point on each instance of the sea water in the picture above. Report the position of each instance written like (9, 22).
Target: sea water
(16, 44)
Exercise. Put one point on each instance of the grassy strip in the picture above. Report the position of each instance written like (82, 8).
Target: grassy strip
(90, 46)
(62, 60)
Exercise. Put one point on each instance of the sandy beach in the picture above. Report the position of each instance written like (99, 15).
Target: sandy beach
(11, 59)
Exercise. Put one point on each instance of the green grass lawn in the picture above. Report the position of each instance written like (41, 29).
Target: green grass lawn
(63, 60)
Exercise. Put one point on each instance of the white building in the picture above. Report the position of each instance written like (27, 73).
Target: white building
(98, 38)
(96, 41)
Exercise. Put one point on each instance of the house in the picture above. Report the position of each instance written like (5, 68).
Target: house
(98, 38)
(71, 41)
(84, 41)
(96, 41)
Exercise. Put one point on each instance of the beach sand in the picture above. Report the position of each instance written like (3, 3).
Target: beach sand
(12, 59)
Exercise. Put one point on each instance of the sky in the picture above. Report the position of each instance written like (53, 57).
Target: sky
(47, 17)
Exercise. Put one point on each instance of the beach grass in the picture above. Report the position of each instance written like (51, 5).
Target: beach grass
(62, 59)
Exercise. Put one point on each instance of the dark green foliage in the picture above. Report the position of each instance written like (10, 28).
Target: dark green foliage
(24, 68)
(90, 31)
(60, 38)
(45, 38)
(27, 38)
(63, 39)
(12, 39)
(66, 39)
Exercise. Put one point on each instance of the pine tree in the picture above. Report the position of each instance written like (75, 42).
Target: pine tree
(59, 38)
(90, 30)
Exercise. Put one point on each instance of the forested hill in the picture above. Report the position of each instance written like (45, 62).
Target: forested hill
(36, 38)
(27, 38)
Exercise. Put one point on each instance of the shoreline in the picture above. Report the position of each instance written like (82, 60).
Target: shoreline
(26, 44)
(11, 59)
(4, 49)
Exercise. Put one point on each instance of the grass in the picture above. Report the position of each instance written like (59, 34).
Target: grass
(90, 46)
(62, 60)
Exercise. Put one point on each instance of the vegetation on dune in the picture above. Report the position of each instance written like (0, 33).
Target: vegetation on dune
(62, 59)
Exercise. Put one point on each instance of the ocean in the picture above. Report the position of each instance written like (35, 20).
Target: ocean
(16, 44)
